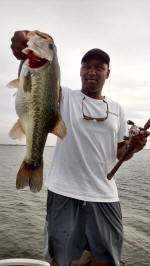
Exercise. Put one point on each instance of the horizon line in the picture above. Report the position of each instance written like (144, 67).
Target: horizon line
(4, 144)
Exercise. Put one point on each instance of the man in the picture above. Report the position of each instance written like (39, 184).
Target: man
(83, 209)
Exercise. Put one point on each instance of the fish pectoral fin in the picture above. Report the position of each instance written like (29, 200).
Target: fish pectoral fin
(59, 128)
(13, 84)
(17, 131)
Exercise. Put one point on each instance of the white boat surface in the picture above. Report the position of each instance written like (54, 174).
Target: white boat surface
(23, 262)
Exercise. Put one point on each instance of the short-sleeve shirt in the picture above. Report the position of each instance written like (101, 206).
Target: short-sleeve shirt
(83, 159)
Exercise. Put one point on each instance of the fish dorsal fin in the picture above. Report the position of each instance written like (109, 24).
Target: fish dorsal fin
(13, 84)
(59, 129)
(17, 131)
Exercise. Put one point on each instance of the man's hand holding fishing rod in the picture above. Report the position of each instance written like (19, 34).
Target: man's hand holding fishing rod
(134, 143)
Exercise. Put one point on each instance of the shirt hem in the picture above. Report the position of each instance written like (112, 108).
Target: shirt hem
(84, 198)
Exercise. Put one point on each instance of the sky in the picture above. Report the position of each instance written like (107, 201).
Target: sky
(119, 27)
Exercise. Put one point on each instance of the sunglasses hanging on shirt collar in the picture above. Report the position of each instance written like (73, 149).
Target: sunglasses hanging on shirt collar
(94, 118)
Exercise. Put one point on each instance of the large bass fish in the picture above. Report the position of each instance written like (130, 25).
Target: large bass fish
(37, 105)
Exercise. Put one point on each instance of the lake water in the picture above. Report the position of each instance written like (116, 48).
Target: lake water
(22, 213)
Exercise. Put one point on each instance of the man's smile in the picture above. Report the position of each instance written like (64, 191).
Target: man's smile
(91, 80)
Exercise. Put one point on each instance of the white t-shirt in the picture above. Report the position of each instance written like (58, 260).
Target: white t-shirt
(85, 156)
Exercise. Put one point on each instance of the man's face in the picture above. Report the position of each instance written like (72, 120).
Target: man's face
(93, 74)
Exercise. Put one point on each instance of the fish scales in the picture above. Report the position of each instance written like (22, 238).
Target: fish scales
(43, 112)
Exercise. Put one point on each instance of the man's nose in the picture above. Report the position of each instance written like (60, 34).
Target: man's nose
(92, 71)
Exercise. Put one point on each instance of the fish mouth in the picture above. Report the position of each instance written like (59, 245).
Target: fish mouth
(40, 34)
(41, 45)
(44, 35)
(35, 61)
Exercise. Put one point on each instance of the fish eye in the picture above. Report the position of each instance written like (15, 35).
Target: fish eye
(51, 46)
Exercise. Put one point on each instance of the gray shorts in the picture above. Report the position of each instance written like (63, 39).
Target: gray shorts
(74, 225)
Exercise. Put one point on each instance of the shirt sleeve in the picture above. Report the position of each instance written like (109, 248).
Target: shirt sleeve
(123, 129)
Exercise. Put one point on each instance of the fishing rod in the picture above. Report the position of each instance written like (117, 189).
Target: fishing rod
(134, 131)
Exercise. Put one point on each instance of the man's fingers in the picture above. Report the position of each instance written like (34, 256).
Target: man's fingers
(18, 43)
(17, 53)
(145, 133)
(20, 36)
(138, 142)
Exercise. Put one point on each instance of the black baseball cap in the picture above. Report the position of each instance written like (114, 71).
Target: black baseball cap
(96, 52)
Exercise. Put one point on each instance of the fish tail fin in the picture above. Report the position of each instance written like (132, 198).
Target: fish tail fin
(30, 177)
(36, 178)
(23, 176)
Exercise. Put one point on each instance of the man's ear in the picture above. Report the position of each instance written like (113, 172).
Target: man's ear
(80, 70)
(108, 72)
